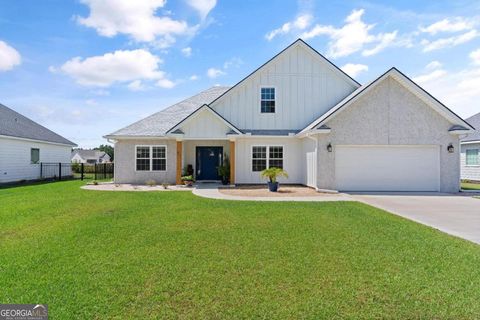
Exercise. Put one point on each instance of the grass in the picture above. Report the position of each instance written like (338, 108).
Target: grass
(118, 255)
(470, 186)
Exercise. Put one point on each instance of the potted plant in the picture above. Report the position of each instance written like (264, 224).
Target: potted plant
(188, 180)
(272, 174)
(224, 170)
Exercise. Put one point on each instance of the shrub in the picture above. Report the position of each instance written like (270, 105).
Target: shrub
(273, 173)
(151, 183)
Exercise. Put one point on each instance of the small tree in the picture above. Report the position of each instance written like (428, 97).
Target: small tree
(273, 173)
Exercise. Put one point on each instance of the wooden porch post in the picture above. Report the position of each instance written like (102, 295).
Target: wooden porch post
(178, 179)
(232, 162)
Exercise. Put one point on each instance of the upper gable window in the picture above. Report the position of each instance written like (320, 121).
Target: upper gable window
(267, 101)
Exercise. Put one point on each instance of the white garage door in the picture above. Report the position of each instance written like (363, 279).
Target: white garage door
(387, 168)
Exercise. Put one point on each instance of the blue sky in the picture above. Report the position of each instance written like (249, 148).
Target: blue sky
(87, 68)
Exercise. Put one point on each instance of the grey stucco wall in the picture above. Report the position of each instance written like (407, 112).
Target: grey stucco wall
(469, 172)
(389, 115)
(125, 162)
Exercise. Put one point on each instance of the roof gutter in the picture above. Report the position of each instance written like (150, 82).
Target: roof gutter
(40, 141)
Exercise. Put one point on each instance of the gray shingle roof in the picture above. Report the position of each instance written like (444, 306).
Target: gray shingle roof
(475, 122)
(159, 123)
(13, 124)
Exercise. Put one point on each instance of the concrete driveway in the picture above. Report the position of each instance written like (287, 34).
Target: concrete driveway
(458, 215)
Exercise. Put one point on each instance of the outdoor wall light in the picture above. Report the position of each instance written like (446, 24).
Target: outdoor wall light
(329, 147)
(450, 148)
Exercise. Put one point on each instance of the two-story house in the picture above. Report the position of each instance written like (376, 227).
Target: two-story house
(300, 112)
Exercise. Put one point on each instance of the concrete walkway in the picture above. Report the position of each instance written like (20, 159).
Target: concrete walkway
(207, 190)
(455, 214)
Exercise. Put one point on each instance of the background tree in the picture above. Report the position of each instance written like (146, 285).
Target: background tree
(107, 149)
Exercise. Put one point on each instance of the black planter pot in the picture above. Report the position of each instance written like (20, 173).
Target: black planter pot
(273, 186)
(224, 181)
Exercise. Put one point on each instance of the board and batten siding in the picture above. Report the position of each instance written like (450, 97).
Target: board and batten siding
(309, 162)
(204, 124)
(292, 157)
(15, 158)
(469, 172)
(306, 86)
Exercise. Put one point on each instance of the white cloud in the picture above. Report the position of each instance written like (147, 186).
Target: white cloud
(9, 57)
(434, 75)
(300, 23)
(136, 85)
(119, 66)
(166, 84)
(433, 65)
(448, 42)
(136, 19)
(187, 52)
(193, 77)
(91, 102)
(458, 90)
(101, 92)
(354, 69)
(202, 6)
(233, 63)
(448, 25)
(475, 56)
(352, 37)
(214, 73)
(385, 40)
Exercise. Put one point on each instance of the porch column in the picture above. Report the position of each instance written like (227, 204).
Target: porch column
(232, 162)
(178, 179)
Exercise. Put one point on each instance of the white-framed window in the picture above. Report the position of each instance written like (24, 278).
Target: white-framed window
(267, 100)
(34, 155)
(264, 157)
(150, 158)
(472, 157)
(259, 158)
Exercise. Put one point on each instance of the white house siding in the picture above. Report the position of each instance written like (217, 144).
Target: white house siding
(469, 172)
(15, 158)
(309, 162)
(306, 87)
(389, 115)
(292, 159)
(204, 124)
(77, 159)
(125, 162)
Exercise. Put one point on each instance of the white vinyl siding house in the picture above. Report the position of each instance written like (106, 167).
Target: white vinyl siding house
(470, 152)
(24, 145)
(300, 112)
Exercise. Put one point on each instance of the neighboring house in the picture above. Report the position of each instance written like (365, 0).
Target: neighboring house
(90, 156)
(300, 112)
(24, 144)
(470, 152)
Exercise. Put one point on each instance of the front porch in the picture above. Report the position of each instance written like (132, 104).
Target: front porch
(201, 158)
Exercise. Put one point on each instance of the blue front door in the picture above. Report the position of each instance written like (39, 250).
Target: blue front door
(208, 160)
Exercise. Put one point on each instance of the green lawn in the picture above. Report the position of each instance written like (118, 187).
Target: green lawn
(101, 255)
(470, 186)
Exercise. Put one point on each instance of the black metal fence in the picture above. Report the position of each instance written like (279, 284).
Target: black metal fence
(55, 170)
(83, 171)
